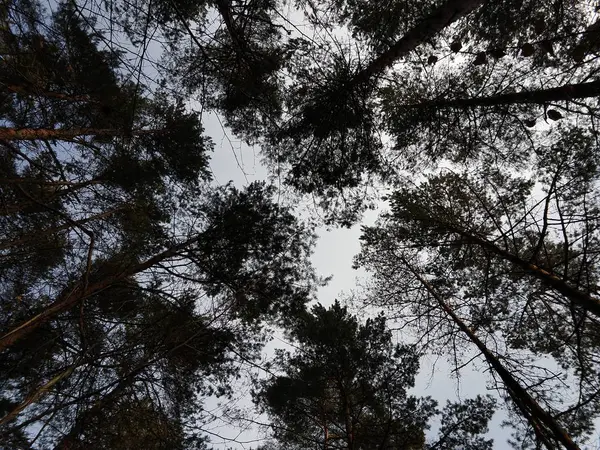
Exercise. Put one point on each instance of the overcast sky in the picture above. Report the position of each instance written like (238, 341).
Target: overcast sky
(237, 162)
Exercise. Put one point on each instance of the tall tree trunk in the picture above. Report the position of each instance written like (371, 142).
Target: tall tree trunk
(567, 92)
(223, 8)
(347, 416)
(578, 297)
(37, 394)
(70, 298)
(33, 134)
(445, 15)
(534, 413)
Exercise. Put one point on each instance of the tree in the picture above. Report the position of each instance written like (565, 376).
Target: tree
(383, 25)
(546, 428)
(128, 280)
(319, 107)
(101, 175)
(248, 261)
(512, 264)
(347, 98)
(105, 194)
(330, 137)
(166, 357)
(134, 424)
(56, 73)
(348, 389)
(322, 109)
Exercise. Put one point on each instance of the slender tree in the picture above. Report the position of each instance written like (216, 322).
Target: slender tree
(544, 425)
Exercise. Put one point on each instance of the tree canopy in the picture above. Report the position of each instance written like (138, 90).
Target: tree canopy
(134, 286)
(348, 389)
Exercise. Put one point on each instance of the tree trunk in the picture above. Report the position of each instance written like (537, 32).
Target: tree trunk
(223, 8)
(567, 92)
(347, 416)
(535, 414)
(325, 432)
(33, 134)
(349, 428)
(578, 297)
(37, 394)
(445, 15)
(79, 292)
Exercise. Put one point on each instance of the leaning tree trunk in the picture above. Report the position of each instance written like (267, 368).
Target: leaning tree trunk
(583, 299)
(578, 297)
(81, 290)
(34, 134)
(37, 394)
(541, 96)
(442, 17)
(537, 417)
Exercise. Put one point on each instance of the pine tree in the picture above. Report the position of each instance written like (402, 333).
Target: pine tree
(128, 280)
(348, 389)
(505, 262)
(112, 232)
(458, 81)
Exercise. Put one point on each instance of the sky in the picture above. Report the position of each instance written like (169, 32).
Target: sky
(235, 161)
